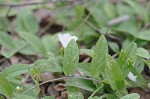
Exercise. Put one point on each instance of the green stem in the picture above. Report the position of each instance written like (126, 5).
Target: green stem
(52, 80)
(95, 91)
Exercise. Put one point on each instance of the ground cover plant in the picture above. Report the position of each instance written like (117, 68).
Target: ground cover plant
(74, 49)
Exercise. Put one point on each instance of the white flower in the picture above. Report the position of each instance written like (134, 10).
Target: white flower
(131, 76)
(66, 38)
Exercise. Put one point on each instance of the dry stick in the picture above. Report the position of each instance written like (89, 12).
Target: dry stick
(111, 36)
(43, 83)
(52, 80)
(118, 20)
(36, 3)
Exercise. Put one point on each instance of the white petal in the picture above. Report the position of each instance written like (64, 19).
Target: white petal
(75, 38)
(131, 76)
(66, 38)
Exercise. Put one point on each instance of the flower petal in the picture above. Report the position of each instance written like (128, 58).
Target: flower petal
(132, 77)
(66, 38)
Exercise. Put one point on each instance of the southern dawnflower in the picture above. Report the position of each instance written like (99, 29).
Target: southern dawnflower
(131, 76)
(66, 38)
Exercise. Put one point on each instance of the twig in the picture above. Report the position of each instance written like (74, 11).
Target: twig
(114, 37)
(98, 30)
(118, 20)
(52, 80)
(35, 3)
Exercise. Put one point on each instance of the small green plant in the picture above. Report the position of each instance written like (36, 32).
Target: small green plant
(115, 64)
(104, 74)
(125, 22)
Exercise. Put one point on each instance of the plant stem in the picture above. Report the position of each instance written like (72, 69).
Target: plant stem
(95, 91)
(52, 80)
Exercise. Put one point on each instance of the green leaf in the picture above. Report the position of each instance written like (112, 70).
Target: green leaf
(84, 68)
(34, 41)
(6, 40)
(24, 97)
(143, 53)
(8, 54)
(48, 66)
(87, 34)
(114, 46)
(27, 49)
(99, 15)
(71, 58)
(110, 96)
(22, 47)
(140, 10)
(5, 86)
(139, 64)
(13, 51)
(96, 97)
(127, 42)
(110, 10)
(130, 50)
(147, 62)
(15, 70)
(74, 93)
(26, 22)
(4, 23)
(80, 11)
(126, 57)
(89, 52)
(81, 83)
(121, 93)
(99, 57)
(33, 93)
(127, 27)
(51, 43)
(140, 42)
(114, 74)
(144, 35)
(48, 97)
(131, 96)
(35, 75)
